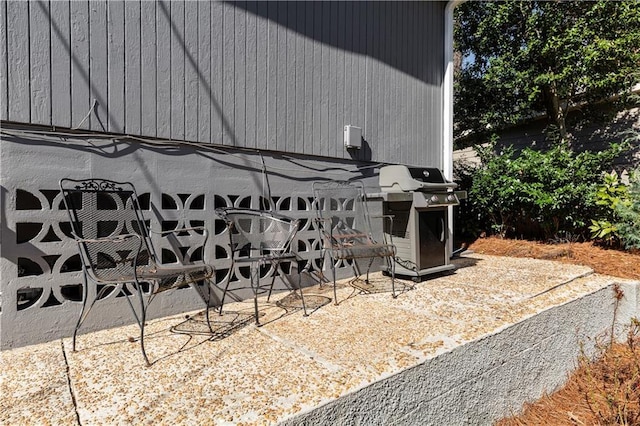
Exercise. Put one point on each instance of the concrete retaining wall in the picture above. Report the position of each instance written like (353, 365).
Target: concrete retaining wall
(487, 379)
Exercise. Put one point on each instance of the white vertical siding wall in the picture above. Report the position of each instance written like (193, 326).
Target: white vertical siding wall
(284, 76)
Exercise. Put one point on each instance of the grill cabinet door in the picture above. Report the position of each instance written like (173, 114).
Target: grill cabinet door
(433, 231)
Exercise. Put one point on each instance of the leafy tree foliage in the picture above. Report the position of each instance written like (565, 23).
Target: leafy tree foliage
(523, 58)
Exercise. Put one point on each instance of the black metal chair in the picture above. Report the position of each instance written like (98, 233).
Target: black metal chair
(260, 238)
(116, 251)
(344, 225)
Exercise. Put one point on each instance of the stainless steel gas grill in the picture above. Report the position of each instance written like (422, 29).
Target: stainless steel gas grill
(418, 199)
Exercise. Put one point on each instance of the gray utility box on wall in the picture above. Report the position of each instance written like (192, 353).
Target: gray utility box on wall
(352, 137)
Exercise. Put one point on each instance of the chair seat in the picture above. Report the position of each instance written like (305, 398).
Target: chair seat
(169, 277)
(357, 251)
(266, 258)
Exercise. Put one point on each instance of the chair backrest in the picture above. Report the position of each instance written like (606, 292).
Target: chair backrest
(101, 212)
(257, 232)
(341, 207)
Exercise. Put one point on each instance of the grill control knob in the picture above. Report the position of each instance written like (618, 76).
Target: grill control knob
(451, 197)
(434, 198)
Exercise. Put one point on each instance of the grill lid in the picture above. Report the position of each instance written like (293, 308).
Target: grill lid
(402, 178)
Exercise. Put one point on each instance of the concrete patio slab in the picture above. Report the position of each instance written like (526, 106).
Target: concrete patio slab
(34, 386)
(466, 340)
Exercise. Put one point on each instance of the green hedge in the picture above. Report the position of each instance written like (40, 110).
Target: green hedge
(534, 194)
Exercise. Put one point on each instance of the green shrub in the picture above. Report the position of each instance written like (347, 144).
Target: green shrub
(619, 222)
(610, 194)
(465, 221)
(628, 213)
(537, 194)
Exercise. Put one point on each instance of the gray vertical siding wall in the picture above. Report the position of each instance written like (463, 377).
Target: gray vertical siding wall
(283, 76)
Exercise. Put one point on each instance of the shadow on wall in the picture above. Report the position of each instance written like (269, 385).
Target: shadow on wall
(9, 237)
(395, 33)
(100, 99)
(304, 168)
(364, 153)
(378, 29)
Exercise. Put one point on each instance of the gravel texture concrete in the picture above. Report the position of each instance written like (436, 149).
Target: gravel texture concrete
(462, 348)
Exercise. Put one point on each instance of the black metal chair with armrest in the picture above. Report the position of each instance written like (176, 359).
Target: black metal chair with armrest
(116, 251)
(260, 238)
(344, 225)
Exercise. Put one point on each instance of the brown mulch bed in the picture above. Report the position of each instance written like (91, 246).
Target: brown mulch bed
(605, 391)
(602, 260)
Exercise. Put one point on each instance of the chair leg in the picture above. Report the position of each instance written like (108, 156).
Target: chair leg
(85, 290)
(224, 293)
(208, 302)
(255, 285)
(369, 268)
(208, 320)
(321, 268)
(84, 313)
(143, 318)
(354, 266)
(203, 288)
(304, 306)
(393, 279)
(333, 274)
(273, 281)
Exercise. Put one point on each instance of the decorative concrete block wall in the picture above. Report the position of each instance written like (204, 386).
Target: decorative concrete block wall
(180, 186)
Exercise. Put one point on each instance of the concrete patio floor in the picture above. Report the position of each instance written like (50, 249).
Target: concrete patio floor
(370, 360)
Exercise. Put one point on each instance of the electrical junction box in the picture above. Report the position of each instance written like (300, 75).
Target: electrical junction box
(352, 137)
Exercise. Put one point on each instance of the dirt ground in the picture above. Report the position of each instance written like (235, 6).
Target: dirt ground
(605, 391)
